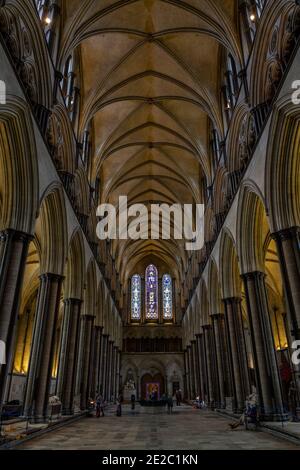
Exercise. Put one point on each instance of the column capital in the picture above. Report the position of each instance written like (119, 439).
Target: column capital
(51, 277)
(286, 234)
(206, 327)
(232, 301)
(217, 316)
(88, 317)
(15, 235)
(98, 328)
(72, 301)
(58, 75)
(253, 276)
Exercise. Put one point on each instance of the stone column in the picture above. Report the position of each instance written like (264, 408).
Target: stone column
(204, 365)
(79, 361)
(87, 325)
(195, 368)
(101, 365)
(237, 353)
(201, 368)
(13, 252)
(288, 242)
(118, 372)
(113, 363)
(116, 388)
(104, 364)
(207, 329)
(191, 372)
(91, 380)
(218, 331)
(114, 372)
(42, 350)
(108, 371)
(96, 361)
(266, 368)
(68, 354)
(187, 374)
(139, 391)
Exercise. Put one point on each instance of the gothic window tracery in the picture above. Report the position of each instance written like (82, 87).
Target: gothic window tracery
(167, 297)
(136, 297)
(155, 289)
(151, 278)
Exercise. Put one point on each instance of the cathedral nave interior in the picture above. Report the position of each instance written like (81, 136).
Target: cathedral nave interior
(164, 102)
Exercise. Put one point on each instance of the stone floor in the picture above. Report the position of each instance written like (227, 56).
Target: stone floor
(149, 429)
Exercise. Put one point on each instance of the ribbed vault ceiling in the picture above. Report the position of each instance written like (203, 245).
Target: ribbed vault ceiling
(150, 85)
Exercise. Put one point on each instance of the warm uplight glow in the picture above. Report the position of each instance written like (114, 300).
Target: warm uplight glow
(252, 17)
(48, 20)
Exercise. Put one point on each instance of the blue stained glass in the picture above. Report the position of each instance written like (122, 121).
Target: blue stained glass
(167, 297)
(151, 293)
(136, 297)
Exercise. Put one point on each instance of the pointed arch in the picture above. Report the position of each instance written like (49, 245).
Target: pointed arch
(28, 49)
(61, 140)
(215, 302)
(75, 270)
(251, 217)
(91, 289)
(82, 191)
(230, 280)
(54, 232)
(204, 306)
(18, 167)
(283, 167)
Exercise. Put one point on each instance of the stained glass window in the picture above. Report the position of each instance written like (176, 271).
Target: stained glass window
(151, 293)
(167, 297)
(136, 297)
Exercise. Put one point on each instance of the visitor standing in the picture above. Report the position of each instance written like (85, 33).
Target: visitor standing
(119, 408)
(170, 405)
(178, 397)
(99, 406)
(132, 402)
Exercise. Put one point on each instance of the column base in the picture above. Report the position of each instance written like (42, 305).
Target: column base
(274, 417)
(231, 406)
(221, 406)
(38, 419)
(67, 412)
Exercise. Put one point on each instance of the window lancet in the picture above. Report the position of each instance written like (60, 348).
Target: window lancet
(136, 297)
(151, 293)
(167, 297)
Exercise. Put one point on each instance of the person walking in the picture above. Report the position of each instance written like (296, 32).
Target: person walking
(170, 405)
(178, 397)
(99, 406)
(119, 408)
(133, 402)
